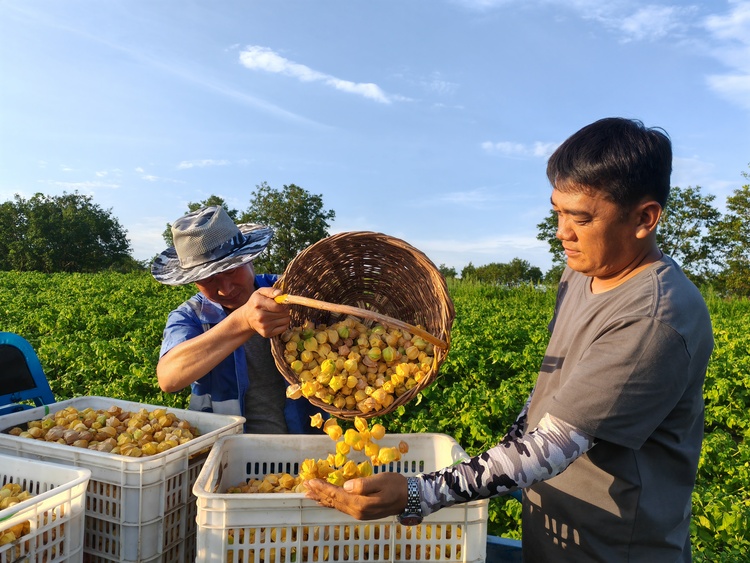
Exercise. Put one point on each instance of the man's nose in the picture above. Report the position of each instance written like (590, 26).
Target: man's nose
(223, 285)
(563, 231)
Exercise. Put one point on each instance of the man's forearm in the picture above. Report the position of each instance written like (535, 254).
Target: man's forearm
(515, 463)
(190, 360)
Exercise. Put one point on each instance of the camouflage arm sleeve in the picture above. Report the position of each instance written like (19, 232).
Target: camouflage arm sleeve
(516, 462)
(518, 427)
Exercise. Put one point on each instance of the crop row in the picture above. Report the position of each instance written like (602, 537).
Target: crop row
(99, 334)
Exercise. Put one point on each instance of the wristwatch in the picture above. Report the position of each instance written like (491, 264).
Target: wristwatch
(412, 514)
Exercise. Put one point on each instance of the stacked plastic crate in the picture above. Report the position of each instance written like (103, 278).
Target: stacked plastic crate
(137, 508)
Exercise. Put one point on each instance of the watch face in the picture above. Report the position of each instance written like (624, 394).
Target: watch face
(410, 519)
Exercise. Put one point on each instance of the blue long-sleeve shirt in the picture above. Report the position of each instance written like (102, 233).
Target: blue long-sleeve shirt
(222, 390)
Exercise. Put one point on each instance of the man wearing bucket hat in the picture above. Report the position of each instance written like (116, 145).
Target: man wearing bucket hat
(218, 340)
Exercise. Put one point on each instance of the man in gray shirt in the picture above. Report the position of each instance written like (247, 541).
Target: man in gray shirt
(606, 448)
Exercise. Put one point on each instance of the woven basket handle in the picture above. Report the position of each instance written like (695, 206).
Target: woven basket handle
(362, 313)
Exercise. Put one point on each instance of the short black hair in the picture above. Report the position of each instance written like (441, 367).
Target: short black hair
(618, 157)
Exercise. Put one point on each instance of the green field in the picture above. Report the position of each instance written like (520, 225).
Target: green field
(99, 334)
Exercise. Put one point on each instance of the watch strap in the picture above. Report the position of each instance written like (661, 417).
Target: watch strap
(412, 514)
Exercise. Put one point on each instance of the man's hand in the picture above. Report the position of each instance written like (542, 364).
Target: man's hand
(263, 314)
(368, 498)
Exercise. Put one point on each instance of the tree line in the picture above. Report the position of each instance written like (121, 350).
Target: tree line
(70, 233)
(67, 233)
(515, 272)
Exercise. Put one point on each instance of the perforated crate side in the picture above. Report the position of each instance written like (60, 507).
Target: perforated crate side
(133, 505)
(288, 527)
(109, 537)
(178, 531)
(51, 521)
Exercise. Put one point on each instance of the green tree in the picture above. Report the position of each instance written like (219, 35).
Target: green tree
(734, 228)
(548, 233)
(468, 272)
(515, 272)
(447, 272)
(489, 273)
(192, 206)
(553, 275)
(12, 226)
(688, 233)
(66, 233)
(298, 220)
(523, 271)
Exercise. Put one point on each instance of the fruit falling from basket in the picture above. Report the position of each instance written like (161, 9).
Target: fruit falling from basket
(339, 466)
(355, 367)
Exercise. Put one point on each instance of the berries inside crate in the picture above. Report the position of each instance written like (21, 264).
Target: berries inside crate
(48, 526)
(286, 527)
(137, 508)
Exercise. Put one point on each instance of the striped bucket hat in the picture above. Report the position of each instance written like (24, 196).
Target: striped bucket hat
(207, 242)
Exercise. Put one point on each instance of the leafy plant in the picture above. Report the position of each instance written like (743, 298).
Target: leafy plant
(100, 334)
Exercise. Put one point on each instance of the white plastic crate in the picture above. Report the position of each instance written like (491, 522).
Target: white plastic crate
(287, 527)
(137, 509)
(54, 515)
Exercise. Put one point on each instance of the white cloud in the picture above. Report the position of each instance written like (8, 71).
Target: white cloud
(482, 198)
(436, 83)
(647, 22)
(643, 23)
(146, 236)
(481, 251)
(256, 57)
(86, 186)
(694, 171)
(187, 164)
(731, 33)
(482, 4)
(470, 197)
(151, 177)
(354, 223)
(734, 87)
(154, 178)
(544, 150)
(504, 147)
(537, 149)
(728, 38)
(653, 22)
(734, 25)
(486, 245)
(113, 172)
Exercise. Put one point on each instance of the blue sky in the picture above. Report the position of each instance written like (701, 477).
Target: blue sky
(430, 121)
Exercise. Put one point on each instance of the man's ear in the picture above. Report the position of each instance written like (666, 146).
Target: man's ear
(648, 214)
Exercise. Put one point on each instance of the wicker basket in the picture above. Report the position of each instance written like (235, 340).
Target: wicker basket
(374, 272)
